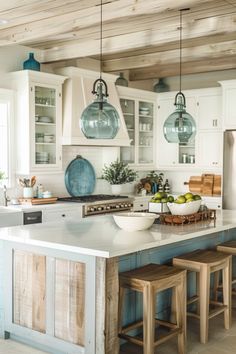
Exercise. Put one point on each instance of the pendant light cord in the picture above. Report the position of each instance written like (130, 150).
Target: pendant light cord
(180, 52)
(101, 42)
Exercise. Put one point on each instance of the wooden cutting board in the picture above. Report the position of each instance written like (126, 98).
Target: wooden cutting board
(207, 184)
(217, 185)
(37, 201)
(195, 184)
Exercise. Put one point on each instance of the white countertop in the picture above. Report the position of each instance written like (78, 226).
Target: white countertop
(100, 236)
(38, 207)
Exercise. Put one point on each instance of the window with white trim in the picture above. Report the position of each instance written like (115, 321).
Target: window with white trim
(6, 135)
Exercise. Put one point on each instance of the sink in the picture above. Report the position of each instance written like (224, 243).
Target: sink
(10, 217)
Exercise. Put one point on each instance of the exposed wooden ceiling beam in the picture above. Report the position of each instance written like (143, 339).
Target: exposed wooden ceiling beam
(27, 32)
(136, 23)
(216, 26)
(192, 53)
(192, 67)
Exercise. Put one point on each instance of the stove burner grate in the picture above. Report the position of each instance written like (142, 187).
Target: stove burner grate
(91, 198)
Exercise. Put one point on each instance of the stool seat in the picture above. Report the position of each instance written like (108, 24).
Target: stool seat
(228, 247)
(205, 262)
(150, 273)
(211, 258)
(151, 279)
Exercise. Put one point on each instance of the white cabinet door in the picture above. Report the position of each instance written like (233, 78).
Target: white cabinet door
(46, 149)
(209, 111)
(139, 110)
(229, 106)
(38, 121)
(210, 149)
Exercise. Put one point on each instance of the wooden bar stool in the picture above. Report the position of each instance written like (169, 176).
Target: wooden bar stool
(150, 280)
(228, 247)
(205, 262)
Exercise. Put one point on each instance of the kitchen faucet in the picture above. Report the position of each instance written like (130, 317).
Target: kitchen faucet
(6, 199)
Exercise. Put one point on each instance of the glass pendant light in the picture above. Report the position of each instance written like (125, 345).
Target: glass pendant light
(180, 126)
(100, 119)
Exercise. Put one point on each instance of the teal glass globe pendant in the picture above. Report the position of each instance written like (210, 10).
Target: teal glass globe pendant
(180, 126)
(100, 119)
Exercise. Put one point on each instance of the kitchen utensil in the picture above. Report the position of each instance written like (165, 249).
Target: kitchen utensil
(80, 177)
(32, 181)
(131, 221)
(21, 182)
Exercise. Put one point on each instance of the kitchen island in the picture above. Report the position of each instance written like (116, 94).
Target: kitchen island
(60, 280)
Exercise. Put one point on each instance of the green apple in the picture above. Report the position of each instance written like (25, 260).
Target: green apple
(170, 199)
(181, 199)
(197, 197)
(189, 200)
(164, 200)
(158, 195)
(157, 201)
(188, 195)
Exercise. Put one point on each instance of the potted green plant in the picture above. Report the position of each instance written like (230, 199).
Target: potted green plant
(118, 173)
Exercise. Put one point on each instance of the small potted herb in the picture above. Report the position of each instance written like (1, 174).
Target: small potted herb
(118, 173)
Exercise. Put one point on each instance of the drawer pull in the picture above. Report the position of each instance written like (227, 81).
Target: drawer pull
(63, 215)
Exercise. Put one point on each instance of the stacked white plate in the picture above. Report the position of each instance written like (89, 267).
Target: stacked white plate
(42, 157)
(144, 111)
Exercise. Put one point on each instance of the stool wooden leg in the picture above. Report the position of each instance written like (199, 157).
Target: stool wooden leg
(173, 305)
(148, 320)
(198, 293)
(216, 285)
(204, 302)
(180, 294)
(227, 293)
(121, 305)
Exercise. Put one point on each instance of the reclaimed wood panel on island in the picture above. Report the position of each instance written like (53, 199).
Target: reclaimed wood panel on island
(29, 284)
(70, 301)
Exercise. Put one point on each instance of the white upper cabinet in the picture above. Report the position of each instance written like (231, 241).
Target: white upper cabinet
(206, 150)
(229, 104)
(170, 155)
(38, 121)
(139, 110)
(77, 95)
(209, 103)
(210, 149)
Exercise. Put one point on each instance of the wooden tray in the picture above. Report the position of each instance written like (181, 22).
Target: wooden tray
(37, 201)
(169, 219)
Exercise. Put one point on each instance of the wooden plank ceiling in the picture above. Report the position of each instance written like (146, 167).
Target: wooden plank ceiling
(141, 36)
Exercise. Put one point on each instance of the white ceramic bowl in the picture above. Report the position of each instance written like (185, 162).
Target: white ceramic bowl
(185, 208)
(131, 221)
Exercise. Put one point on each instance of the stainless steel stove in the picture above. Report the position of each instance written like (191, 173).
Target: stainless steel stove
(101, 203)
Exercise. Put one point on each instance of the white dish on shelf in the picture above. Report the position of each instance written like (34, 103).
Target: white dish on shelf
(144, 113)
(45, 120)
(131, 221)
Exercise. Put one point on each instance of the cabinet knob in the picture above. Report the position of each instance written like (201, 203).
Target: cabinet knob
(63, 215)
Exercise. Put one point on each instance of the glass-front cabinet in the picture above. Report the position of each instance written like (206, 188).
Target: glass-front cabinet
(45, 126)
(138, 108)
(38, 121)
